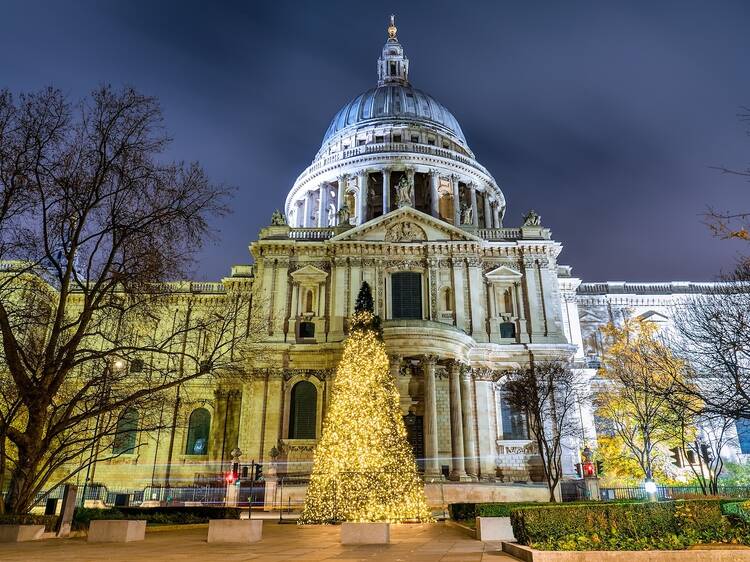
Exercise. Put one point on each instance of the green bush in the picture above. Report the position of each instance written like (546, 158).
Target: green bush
(49, 521)
(172, 515)
(737, 510)
(466, 511)
(625, 526)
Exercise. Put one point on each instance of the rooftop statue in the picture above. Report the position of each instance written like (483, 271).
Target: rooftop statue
(277, 219)
(532, 218)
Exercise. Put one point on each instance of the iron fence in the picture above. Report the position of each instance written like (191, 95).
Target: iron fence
(671, 492)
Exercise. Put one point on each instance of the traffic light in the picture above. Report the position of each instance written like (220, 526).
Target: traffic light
(676, 456)
(579, 471)
(599, 468)
(258, 472)
(706, 454)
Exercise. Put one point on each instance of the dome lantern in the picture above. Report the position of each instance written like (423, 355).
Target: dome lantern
(393, 66)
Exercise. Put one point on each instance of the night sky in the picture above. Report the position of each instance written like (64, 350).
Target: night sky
(604, 117)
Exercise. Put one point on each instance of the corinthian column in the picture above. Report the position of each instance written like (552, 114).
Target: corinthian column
(362, 184)
(386, 191)
(434, 199)
(470, 445)
(456, 202)
(432, 466)
(474, 208)
(458, 468)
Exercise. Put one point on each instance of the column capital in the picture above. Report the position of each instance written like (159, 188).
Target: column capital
(429, 360)
(394, 359)
(433, 172)
(361, 173)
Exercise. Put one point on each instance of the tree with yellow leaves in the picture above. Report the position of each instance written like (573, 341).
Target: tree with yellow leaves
(364, 468)
(635, 403)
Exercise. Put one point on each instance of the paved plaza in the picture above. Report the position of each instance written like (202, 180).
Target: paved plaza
(420, 543)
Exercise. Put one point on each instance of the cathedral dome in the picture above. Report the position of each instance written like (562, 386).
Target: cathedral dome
(395, 102)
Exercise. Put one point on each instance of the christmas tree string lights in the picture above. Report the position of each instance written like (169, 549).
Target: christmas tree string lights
(364, 468)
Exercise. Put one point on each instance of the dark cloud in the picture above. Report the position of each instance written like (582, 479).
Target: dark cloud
(605, 117)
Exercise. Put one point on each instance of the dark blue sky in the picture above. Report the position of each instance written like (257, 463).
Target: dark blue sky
(605, 117)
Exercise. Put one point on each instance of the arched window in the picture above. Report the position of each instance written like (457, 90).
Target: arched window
(125, 434)
(507, 330)
(303, 411)
(198, 427)
(447, 299)
(514, 422)
(309, 301)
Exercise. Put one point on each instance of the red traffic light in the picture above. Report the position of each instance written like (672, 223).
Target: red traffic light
(230, 477)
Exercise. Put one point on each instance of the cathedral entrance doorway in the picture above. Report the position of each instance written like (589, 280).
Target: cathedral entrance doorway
(415, 436)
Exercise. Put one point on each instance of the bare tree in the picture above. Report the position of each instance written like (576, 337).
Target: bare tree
(549, 394)
(731, 224)
(711, 334)
(97, 224)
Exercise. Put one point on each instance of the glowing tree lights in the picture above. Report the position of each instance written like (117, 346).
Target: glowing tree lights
(364, 468)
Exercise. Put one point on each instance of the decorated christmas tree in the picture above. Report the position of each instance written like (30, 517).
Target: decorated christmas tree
(364, 468)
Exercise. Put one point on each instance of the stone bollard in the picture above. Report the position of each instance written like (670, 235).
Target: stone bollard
(365, 533)
(235, 530)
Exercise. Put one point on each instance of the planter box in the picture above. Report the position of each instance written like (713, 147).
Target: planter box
(116, 530)
(365, 533)
(235, 530)
(21, 533)
(695, 555)
(494, 529)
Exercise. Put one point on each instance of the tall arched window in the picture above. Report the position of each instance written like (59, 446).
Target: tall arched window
(309, 301)
(303, 411)
(125, 434)
(198, 427)
(514, 421)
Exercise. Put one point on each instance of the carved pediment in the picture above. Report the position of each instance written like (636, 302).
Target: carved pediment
(309, 274)
(405, 231)
(405, 225)
(503, 274)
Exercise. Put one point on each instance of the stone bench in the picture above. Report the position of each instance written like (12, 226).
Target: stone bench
(116, 530)
(494, 529)
(235, 530)
(21, 533)
(365, 533)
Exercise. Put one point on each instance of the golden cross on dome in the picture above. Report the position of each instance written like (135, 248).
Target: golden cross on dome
(392, 28)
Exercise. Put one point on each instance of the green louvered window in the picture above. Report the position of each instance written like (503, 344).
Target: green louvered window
(303, 411)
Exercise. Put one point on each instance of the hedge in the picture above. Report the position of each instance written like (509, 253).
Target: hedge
(467, 511)
(49, 521)
(625, 526)
(171, 515)
(739, 510)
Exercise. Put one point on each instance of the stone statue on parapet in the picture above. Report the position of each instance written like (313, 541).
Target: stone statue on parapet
(532, 218)
(277, 219)
(343, 215)
(404, 193)
(467, 215)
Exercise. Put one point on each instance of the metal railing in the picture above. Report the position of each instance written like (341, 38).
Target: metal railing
(670, 492)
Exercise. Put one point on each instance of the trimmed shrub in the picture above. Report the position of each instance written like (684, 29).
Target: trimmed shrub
(49, 521)
(466, 511)
(172, 515)
(737, 510)
(625, 526)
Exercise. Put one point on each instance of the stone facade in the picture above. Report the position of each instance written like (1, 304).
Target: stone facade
(395, 198)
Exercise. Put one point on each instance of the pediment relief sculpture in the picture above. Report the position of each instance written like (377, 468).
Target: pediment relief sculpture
(405, 232)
